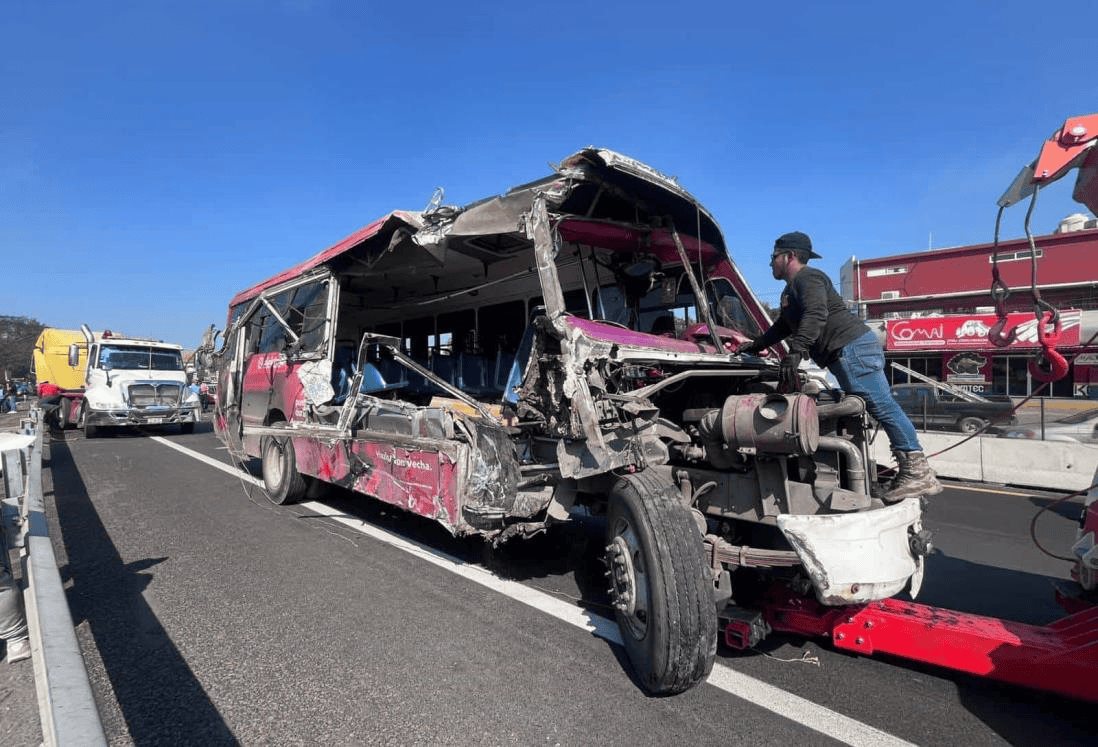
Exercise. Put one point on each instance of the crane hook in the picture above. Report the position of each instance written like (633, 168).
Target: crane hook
(1048, 365)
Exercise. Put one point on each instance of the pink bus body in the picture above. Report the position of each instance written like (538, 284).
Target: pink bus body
(568, 343)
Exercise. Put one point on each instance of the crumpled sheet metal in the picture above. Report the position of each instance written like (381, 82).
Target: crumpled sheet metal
(492, 479)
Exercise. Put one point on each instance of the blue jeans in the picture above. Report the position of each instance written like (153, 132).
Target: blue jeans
(860, 370)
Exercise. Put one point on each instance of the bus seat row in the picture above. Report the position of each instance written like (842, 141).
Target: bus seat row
(476, 375)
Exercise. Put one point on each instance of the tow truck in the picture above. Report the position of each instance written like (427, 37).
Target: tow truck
(1061, 657)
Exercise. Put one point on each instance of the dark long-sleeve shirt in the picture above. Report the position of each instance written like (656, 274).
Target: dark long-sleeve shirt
(814, 318)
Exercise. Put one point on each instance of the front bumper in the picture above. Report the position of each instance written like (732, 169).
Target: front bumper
(141, 416)
(859, 557)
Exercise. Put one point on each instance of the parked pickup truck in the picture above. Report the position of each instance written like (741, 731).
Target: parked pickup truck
(929, 407)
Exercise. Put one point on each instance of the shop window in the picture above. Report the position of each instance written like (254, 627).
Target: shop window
(1017, 376)
(999, 375)
(927, 366)
(1015, 256)
(1065, 387)
(1010, 375)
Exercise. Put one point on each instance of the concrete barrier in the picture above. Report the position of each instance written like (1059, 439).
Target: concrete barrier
(1009, 461)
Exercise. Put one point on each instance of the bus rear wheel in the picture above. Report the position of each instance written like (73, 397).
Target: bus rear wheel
(281, 480)
(661, 587)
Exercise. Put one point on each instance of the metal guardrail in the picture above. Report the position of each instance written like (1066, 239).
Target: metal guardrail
(65, 702)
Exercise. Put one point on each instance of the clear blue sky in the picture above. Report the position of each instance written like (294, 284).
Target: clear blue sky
(157, 157)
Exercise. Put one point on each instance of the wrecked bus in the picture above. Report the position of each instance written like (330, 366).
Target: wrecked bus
(568, 343)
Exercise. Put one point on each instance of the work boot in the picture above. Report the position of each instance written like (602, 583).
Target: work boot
(914, 478)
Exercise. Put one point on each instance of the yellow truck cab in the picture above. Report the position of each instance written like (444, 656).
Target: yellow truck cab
(51, 359)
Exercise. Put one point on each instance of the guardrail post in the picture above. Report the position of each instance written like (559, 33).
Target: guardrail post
(13, 473)
(13, 620)
(66, 705)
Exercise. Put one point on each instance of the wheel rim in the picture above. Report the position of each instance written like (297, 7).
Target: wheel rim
(629, 578)
(272, 464)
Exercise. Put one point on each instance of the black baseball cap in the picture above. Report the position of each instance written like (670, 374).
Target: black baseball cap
(795, 241)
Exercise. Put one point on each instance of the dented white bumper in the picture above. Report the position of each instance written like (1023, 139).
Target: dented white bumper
(858, 557)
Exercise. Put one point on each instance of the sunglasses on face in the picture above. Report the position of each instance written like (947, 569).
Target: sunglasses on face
(775, 255)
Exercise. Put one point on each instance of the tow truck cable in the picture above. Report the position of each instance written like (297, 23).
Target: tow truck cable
(1000, 291)
(1048, 364)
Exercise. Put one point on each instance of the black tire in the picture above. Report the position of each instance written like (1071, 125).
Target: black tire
(970, 425)
(186, 428)
(90, 431)
(283, 483)
(669, 626)
(63, 413)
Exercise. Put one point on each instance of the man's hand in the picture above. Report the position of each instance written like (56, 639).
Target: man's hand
(751, 346)
(787, 373)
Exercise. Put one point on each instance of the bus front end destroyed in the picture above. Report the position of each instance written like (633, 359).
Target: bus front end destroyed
(569, 343)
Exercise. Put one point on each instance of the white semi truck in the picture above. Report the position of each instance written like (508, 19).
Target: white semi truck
(132, 382)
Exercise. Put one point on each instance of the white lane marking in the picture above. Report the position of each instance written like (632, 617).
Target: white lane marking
(785, 704)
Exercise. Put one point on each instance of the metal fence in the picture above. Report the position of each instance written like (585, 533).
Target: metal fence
(65, 701)
(1054, 419)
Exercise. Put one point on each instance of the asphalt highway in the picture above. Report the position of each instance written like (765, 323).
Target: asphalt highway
(207, 615)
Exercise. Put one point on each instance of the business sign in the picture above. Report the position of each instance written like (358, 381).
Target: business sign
(969, 331)
(969, 370)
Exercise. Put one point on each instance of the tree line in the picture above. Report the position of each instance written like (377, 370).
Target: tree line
(17, 336)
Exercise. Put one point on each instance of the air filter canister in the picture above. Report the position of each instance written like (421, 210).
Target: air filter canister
(772, 423)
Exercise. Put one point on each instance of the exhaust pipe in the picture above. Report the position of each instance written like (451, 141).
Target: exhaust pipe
(855, 467)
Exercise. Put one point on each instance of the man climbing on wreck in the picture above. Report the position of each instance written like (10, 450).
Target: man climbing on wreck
(818, 324)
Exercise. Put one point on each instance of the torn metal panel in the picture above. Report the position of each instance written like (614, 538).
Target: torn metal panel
(545, 251)
(380, 228)
(594, 454)
(493, 472)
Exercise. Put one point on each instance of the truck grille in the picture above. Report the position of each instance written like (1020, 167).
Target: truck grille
(154, 395)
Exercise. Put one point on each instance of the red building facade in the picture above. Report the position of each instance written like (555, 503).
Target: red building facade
(933, 310)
